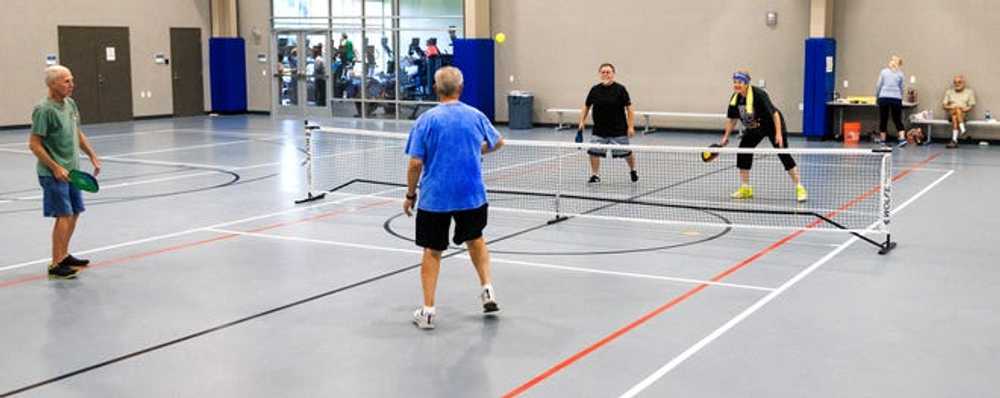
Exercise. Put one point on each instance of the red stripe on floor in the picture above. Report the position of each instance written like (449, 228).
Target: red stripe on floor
(690, 293)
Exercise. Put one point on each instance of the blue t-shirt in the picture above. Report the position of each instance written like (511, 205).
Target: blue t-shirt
(448, 138)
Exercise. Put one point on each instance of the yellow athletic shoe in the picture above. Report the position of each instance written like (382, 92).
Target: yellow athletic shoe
(745, 192)
(800, 193)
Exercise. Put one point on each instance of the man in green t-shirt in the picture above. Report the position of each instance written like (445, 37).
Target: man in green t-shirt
(346, 50)
(56, 140)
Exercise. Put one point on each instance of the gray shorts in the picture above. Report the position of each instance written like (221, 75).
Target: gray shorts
(615, 153)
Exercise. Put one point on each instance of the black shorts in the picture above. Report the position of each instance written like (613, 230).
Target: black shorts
(433, 227)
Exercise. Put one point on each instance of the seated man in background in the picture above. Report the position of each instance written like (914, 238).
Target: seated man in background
(958, 101)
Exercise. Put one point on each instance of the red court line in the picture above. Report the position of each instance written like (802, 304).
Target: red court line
(690, 293)
(170, 249)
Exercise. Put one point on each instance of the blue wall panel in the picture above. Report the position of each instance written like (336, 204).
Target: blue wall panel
(474, 57)
(228, 74)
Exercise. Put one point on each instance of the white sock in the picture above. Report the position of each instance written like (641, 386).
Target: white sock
(488, 286)
(962, 126)
(954, 135)
(428, 310)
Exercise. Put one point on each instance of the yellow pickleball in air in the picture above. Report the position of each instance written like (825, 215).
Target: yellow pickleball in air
(500, 38)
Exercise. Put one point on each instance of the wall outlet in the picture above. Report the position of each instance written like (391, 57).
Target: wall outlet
(762, 83)
(845, 84)
(512, 78)
(802, 106)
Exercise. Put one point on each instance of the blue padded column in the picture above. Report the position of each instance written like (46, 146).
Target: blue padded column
(474, 57)
(228, 74)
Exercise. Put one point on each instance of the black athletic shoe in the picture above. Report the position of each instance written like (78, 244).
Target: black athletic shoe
(634, 175)
(594, 179)
(62, 272)
(74, 262)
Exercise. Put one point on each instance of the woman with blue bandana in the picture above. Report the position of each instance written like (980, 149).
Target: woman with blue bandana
(752, 106)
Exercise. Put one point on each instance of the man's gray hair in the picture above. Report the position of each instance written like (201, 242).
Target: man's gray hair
(448, 81)
(53, 72)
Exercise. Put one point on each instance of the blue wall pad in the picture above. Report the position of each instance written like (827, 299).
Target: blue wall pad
(820, 77)
(474, 57)
(228, 70)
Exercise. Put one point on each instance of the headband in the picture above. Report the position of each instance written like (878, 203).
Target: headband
(742, 77)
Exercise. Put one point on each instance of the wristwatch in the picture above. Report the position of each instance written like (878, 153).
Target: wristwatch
(411, 196)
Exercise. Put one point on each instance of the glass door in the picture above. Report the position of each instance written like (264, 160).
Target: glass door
(301, 73)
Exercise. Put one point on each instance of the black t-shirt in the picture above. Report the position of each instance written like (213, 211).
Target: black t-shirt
(609, 103)
(762, 118)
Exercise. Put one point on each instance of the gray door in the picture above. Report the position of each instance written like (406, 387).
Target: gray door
(186, 71)
(114, 74)
(100, 60)
(76, 52)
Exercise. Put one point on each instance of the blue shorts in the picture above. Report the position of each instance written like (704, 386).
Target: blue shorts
(59, 198)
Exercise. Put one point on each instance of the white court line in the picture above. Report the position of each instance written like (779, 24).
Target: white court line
(98, 137)
(187, 165)
(626, 274)
(492, 259)
(933, 170)
(20, 151)
(317, 241)
(235, 168)
(192, 165)
(199, 229)
(233, 133)
(676, 361)
(176, 149)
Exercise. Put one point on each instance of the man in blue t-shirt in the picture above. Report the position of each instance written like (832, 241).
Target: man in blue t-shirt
(445, 147)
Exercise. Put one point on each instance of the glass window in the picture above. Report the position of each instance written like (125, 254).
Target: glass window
(427, 29)
(382, 59)
(292, 14)
(301, 8)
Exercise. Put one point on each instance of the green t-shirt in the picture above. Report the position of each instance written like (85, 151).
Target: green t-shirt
(57, 125)
(348, 49)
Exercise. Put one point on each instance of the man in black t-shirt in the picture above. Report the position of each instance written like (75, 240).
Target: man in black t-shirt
(614, 120)
(753, 107)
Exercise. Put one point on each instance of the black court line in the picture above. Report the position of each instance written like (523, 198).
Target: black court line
(244, 319)
(388, 227)
(103, 180)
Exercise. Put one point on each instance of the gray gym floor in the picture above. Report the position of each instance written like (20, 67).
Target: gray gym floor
(208, 281)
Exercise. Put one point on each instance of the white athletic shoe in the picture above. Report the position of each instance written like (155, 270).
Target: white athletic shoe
(489, 302)
(423, 320)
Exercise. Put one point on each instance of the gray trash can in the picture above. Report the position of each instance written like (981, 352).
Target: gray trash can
(519, 106)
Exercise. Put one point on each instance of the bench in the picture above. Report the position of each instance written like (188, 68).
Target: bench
(930, 123)
(646, 115)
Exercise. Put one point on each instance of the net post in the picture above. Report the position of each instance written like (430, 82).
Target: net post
(311, 194)
(558, 194)
(559, 182)
(886, 200)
